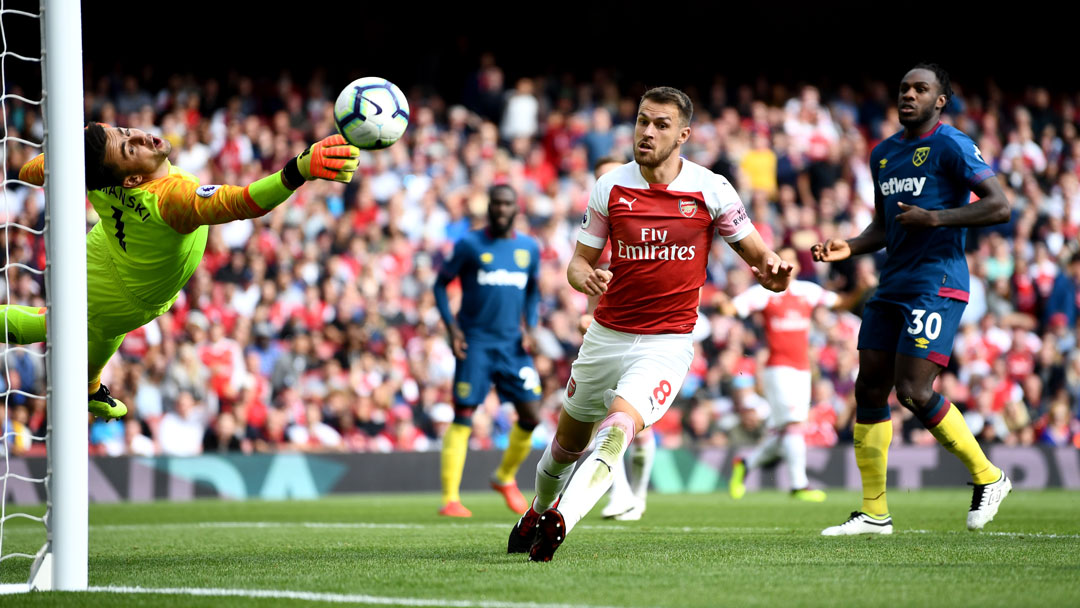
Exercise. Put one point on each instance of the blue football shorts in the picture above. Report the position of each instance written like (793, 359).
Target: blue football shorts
(504, 364)
(921, 326)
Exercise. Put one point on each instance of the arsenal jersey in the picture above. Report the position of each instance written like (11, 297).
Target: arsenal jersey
(787, 319)
(660, 237)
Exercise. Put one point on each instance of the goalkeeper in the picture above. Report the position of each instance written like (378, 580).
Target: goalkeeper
(152, 234)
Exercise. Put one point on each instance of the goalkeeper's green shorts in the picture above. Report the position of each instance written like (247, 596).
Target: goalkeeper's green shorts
(111, 309)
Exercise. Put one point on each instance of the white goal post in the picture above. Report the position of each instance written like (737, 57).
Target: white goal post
(65, 276)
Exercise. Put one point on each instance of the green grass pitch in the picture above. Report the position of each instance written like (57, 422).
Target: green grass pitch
(689, 550)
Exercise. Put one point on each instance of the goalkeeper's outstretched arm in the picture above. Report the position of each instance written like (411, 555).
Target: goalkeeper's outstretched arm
(33, 172)
(185, 205)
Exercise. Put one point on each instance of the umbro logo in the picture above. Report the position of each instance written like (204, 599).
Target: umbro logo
(629, 204)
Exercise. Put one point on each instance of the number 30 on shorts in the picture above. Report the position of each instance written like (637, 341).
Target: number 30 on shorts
(932, 324)
(530, 380)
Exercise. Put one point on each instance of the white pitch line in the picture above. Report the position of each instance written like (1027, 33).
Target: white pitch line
(254, 525)
(337, 598)
(407, 526)
(986, 533)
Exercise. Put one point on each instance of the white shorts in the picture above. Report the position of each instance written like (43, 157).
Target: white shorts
(788, 392)
(645, 370)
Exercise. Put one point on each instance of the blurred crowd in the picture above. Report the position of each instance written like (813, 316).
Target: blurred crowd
(314, 328)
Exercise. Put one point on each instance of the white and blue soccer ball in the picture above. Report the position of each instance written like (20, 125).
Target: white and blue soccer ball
(371, 113)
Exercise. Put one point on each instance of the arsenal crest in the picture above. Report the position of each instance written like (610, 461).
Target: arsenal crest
(920, 156)
(688, 208)
(571, 387)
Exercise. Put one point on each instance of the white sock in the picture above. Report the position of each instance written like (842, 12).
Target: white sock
(642, 455)
(765, 453)
(593, 477)
(621, 490)
(551, 480)
(793, 447)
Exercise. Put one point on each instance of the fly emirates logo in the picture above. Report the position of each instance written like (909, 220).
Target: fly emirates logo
(654, 246)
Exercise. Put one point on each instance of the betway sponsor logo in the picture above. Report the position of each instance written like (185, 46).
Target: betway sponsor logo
(896, 185)
(502, 278)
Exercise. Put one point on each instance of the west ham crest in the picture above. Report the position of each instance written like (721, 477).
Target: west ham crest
(920, 156)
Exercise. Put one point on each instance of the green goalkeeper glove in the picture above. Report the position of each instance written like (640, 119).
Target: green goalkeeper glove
(331, 159)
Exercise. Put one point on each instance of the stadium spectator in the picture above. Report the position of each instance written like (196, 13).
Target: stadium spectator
(181, 431)
(224, 436)
(137, 443)
(449, 157)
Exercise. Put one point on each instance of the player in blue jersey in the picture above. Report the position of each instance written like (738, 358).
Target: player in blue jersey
(499, 272)
(924, 176)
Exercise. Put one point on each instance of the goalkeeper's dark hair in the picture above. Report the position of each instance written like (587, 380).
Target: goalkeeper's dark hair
(98, 175)
(943, 80)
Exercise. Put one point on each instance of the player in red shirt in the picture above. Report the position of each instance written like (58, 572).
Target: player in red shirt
(629, 488)
(659, 214)
(787, 376)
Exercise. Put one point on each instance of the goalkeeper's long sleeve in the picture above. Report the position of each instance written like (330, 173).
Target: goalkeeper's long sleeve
(33, 172)
(185, 205)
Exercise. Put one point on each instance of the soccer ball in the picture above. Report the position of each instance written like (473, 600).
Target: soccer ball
(371, 113)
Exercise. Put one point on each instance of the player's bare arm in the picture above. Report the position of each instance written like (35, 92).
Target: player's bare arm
(458, 344)
(455, 336)
(582, 273)
(530, 318)
(871, 239)
(991, 208)
(770, 271)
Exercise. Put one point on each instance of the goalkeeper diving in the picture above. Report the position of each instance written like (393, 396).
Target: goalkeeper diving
(152, 234)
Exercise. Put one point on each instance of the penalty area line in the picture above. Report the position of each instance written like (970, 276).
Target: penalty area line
(337, 598)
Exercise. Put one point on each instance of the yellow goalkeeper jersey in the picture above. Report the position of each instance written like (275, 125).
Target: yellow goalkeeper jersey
(156, 232)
